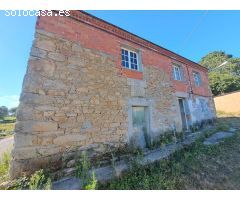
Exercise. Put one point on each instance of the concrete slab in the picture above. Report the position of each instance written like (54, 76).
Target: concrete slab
(217, 137)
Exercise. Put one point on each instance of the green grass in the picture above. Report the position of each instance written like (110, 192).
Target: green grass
(40, 180)
(10, 118)
(4, 167)
(7, 127)
(194, 167)
(6, 130)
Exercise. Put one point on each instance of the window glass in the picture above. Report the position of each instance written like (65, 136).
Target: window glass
(197, 78)
(129, 59)
(138, 114)
(177, 73)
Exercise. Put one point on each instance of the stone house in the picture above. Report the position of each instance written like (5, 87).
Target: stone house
(92, 86)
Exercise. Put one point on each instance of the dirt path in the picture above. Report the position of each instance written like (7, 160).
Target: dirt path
(6, 145)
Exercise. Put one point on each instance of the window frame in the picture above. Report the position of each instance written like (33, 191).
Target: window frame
(129, 59)
(203, 105)
(175, 74)
(197, 79)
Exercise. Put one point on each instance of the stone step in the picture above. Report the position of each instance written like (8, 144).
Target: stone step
(107, 173)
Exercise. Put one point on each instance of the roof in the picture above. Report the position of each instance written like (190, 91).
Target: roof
(122, 33)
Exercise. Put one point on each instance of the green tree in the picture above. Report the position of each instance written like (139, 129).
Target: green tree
(225, 77)
(3, 111)
(13, 111)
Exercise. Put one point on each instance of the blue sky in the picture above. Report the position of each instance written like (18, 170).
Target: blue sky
(192, 34)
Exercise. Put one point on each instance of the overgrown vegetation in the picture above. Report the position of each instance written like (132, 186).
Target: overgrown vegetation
(6, 129)
(224, 72)
(83, 165)
(194, 167)
(4, 167)
(40, 180)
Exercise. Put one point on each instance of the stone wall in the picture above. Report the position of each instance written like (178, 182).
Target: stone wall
(77, 97)
(74, 99)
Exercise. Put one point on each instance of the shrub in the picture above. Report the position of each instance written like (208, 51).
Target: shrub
(82, 171)
(40, 181)
(92, 185)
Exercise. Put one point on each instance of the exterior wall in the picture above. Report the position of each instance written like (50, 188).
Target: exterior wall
(199, 114)
(77, 97)
(228, 103)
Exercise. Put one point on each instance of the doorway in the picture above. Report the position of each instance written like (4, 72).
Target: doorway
(139, 125)
(183, 109)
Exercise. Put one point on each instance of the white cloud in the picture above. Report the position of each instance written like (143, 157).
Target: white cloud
(9, 101)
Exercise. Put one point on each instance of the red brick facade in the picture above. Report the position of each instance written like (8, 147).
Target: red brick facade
(97, 34)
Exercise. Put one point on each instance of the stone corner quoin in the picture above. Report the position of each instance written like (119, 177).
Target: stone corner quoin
(77, 96)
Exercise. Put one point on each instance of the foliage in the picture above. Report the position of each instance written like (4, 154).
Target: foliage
(162, 140)
(3, 111)
(4, 167)
(223, 82)
(13, 111)
(21, 183)
(214, 59)
(222, 79)
(9, 119)
(193, 167)
(6, 130)
(92, 185)
(40, 181)
(82, 171)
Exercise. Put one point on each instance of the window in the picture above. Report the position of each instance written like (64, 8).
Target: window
(177, 75)
(203, 105)
(197, 78)
(130, 59)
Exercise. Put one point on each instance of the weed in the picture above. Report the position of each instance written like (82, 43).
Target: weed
(40, 181)
(4, 167)
(82, 171)
(92, 185)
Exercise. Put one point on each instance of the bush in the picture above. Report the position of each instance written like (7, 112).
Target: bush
(82, 171)
(40, 181)
(92, 185)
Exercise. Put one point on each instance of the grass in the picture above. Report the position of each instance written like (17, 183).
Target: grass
(12, 118)
(4, 167)
(40, 180)
(194, 167)
(227, 114)
(6, 129)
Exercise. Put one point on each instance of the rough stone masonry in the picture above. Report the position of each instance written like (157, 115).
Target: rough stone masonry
(77, 96)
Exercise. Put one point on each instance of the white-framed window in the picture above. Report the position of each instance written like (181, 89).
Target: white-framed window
(130, 59)
(197, 78)
(177, 74)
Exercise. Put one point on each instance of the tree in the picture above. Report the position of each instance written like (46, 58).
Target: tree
(214, 59)
(223, 82)
(222, 79)
(13, 111)
(3, 111)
